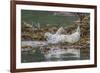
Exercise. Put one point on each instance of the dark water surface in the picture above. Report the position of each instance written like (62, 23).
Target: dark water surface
(41, 51)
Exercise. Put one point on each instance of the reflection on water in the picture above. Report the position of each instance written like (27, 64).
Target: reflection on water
(34, 51)
(55, 52)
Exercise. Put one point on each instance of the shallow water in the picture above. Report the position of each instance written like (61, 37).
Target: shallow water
(41, 51)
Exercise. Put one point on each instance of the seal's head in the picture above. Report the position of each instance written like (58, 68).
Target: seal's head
(47, 35)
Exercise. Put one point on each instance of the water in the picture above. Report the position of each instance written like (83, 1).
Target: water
(60, 53)
(39, 51)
